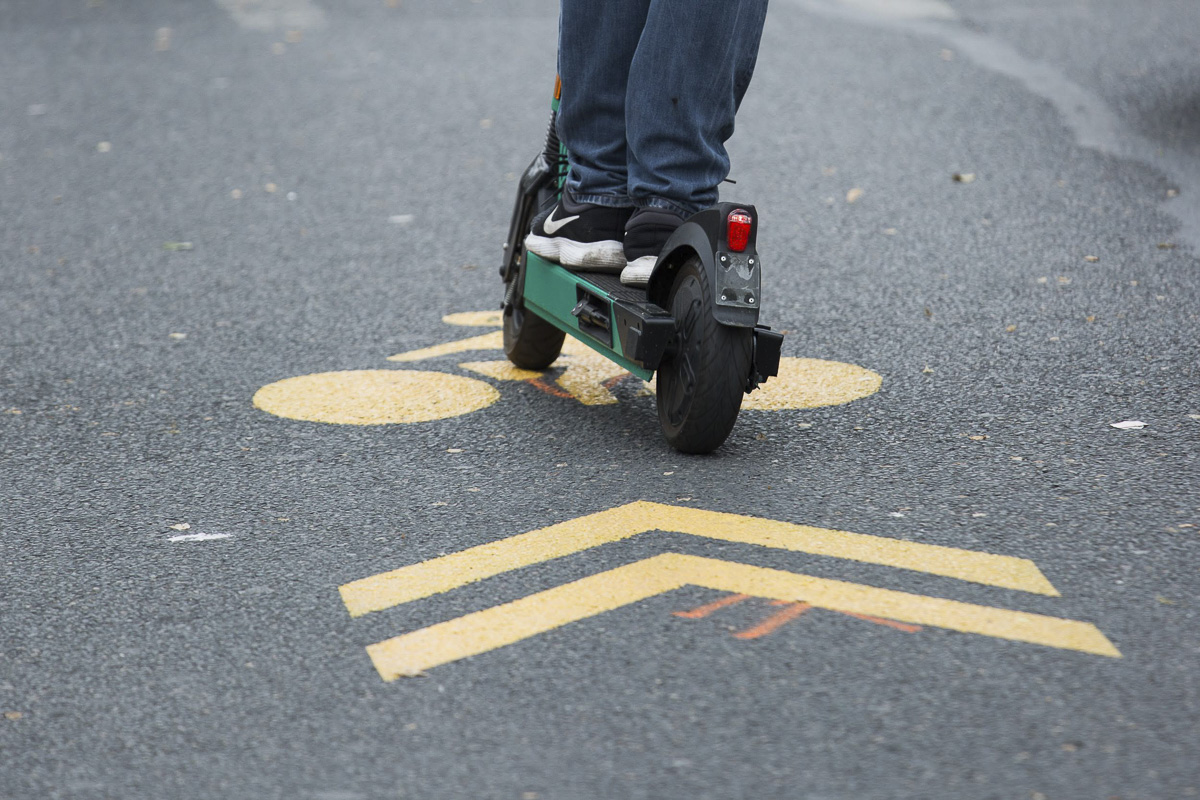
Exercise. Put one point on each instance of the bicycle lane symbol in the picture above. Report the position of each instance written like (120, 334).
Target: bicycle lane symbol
(405, 396)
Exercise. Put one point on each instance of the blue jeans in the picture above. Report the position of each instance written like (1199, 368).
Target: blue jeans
(649, 92)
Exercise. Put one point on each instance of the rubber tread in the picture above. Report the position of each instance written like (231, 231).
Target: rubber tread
(720, 379)
(535, 344)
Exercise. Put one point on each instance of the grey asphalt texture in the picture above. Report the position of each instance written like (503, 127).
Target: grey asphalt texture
(132, 666)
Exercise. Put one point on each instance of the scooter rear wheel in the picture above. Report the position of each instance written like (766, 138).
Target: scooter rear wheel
(700, 386)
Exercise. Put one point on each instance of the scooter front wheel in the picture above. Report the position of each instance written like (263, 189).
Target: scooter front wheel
(529, 341)
(700, 385)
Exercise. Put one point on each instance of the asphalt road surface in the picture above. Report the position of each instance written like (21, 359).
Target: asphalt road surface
(248, 554)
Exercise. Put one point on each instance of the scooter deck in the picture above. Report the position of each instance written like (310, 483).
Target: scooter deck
(615, 320)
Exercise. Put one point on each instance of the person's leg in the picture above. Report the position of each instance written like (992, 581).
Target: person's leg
(585, 230)
(691, 69)
(597, 42)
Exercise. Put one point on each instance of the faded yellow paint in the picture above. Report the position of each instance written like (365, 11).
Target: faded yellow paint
(807, 383)
(801, 383)
(812, 383)
(586, 374)
(502, 370)
(475, 319)
(374, 397)
(507, 624)
(487, 341)
(484, 561)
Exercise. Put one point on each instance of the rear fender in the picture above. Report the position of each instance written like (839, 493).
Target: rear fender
(734, 277)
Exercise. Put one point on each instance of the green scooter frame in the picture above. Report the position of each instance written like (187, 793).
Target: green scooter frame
(695, 324)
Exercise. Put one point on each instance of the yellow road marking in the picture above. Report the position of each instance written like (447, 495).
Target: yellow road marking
(507, 624)
(484, 561)
(502, 370)
(488, 341)
(584, 377)
(812, 383)
(801, 383)
(475, 319)
(587, 371)
(374, 397)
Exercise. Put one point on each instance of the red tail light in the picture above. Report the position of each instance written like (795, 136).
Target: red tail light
(738, 233)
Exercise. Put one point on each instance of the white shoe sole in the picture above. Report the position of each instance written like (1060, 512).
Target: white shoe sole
(638, 271)
(606, 256)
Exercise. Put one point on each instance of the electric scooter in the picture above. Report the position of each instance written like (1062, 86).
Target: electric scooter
(695, 324)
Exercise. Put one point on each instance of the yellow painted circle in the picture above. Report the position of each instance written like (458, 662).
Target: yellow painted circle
(810, 383)
(375, 397)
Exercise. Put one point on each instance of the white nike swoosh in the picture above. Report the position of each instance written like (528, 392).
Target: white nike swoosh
(552, 225)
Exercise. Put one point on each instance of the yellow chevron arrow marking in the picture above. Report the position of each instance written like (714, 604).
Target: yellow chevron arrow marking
(509, 623)
(477, 563)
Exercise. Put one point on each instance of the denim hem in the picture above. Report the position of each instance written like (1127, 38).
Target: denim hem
(666, 205)
(607, 200)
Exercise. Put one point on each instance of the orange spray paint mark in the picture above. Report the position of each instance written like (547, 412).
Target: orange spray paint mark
(786, 614)
(703, 611)
(611, 383)
(789, 610)
(891, 623)
(540, 383)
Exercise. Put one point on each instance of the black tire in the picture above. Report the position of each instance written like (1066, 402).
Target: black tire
(700, 387)
(529, 341)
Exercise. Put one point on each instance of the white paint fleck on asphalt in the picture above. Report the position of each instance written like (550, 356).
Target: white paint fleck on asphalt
(268, 15)
(200, 537)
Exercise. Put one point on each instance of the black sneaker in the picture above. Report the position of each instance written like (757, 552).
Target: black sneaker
(580, 236)
(645, 234)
